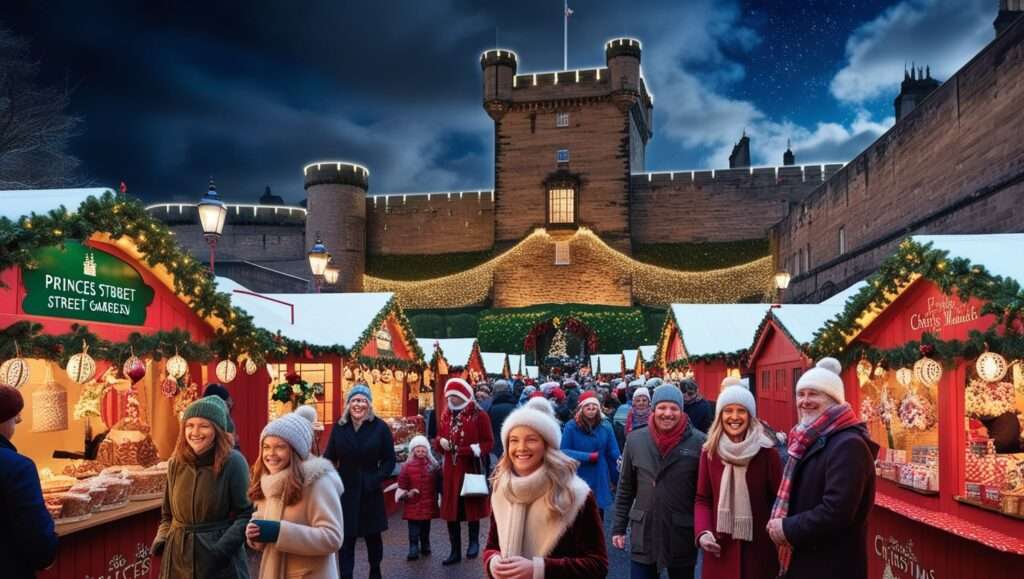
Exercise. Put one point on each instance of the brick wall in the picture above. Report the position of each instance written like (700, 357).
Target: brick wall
(953, 165)
(430, 223)
(711, 206)
(245, 242)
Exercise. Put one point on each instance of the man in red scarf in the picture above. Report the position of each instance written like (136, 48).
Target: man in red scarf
(657, 490)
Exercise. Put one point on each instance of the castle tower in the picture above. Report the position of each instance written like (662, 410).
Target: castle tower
(917, 84)
(740, 156)
(1009, 11)
(788, 158)
(336, 200)
(499, 68)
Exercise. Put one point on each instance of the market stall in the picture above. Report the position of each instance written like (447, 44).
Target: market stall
(515, 365)
(109, 330)
(707, 342)
(933, 349)
(496, 364)
(645, 360)
(630, 359)
(606, 366)
(779, 356)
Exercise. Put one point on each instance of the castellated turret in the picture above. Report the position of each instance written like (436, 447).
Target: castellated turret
(499, 66)
(336, 200)
(623, 58)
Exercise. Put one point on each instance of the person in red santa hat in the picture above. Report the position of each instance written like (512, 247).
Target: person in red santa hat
(464, 436)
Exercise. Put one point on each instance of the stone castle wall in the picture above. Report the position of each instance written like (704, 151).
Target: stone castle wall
(432, 223)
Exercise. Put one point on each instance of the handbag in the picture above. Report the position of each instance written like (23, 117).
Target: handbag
(475, 485)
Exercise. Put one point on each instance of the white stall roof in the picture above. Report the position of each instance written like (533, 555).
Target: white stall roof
(494, 362)
(320, 319)
(803, 320)
(717, 328)
(19, 202)
(648, 352)
(607, 364)
(456, 350)
(999, 253)
(532, 371)
(629, 357)
(515, 363)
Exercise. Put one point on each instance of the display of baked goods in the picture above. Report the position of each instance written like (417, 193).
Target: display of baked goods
(117, 490)
(146, 483)
(128, 442)
(81, 469)
(97, 493)
(52, 483)
(70, 506)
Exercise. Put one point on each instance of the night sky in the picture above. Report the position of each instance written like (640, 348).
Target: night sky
(173, 92)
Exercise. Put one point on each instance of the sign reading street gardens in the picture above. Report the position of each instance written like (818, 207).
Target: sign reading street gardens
(79, 282)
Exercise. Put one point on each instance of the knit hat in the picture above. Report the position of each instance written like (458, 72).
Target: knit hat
(736, 394)
(642, 391)
(547, 387)
(729, 381)
(537, 415)
(459, 388)
(653, 383)
(211, 408)
(667, 393)
(501, 386)
(359, 390)
(309, 413)
(11, 402)
(217, 390)
(558, 394)
(296, 428)
(824, 377)
(589, 397)
(639, 382)
(537, 394)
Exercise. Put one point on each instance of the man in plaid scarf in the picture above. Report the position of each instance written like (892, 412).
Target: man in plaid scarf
(819, 521)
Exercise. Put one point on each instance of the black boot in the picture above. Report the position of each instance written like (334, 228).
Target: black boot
(474, 540)
(414, 541)
(455, 538)
(375, 572)
(425, 538)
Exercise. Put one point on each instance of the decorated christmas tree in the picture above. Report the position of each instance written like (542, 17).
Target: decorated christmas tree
(557, 349)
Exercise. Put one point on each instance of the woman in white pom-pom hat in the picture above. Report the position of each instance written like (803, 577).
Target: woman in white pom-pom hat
(819, 519)
(464, 437)
(544, 520)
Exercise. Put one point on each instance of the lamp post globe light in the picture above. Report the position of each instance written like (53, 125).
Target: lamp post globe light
(318, 260)
(212, 213)
(782, 282)
(331, 274)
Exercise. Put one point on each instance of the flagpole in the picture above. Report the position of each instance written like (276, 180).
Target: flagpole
(565, 35)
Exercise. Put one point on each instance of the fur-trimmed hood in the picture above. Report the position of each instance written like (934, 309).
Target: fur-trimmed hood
(315, 468)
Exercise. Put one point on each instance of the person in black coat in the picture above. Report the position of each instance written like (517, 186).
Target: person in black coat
(502, 405)
(362, 449)
(700, 411)
(28, 542)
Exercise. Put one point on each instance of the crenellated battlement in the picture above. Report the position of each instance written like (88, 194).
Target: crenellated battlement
(623, 46)
(336, 173)
(789, 173)
(390, 199)
(238, 214)
(499, 56)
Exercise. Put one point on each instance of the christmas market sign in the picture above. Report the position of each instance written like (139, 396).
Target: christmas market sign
(79, 282)
(900, 559)
(942, 312)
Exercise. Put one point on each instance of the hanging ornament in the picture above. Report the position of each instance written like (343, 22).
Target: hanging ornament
(169, 387)
(176, 366)
(226, 371)
(134, 368)
(250, 367)
(864, 370)
(14, 372)
(991, 367)
(81, 367)
(50, 406)
(928, 371)
(905, 376)
(399, 376)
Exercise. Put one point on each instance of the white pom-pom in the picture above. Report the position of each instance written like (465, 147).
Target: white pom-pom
(307, 412)
(541, 404)
(830, 364)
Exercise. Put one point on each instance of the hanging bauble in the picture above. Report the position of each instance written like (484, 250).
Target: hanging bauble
(81, 367)
(250, 367)
(399, 376)
(864, 370)
(226, 371)
(991, 367)
(879, 371)
(169, 387)
(134, 368)
(176, 366)
(904, 376)
(928, 371)
(50, 406)
(14, 372)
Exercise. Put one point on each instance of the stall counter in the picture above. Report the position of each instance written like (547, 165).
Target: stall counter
(110, 544)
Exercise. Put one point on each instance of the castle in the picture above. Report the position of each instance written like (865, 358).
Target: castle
(573, 214)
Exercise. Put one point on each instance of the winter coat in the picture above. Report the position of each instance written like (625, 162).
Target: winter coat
(28, 542)
(580, 552)
(655, 499)
(598, 475)
(832, 494)
(701, 414)
(503, 404)
(203, 519)
(311, 530)
(619, 424)
(755, 559)
(476, 429)
(364, 459)
(419, 474)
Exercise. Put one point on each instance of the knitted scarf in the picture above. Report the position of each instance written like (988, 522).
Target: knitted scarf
(525, 525)
(273, 509)
(666, 441)
(801, 438)
(453, 422)
(635, 417)
(735, 517)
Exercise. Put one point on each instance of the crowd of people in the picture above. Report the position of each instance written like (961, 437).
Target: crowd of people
(682, 479)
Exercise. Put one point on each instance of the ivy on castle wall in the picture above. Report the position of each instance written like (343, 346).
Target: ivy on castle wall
(616, 328)
(701, 256)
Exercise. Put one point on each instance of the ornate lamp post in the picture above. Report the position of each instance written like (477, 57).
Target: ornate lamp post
(318, 260)
(212, 213)
(331, 274)
(781, 283)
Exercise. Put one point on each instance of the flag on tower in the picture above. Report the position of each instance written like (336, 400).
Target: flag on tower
(568, 11)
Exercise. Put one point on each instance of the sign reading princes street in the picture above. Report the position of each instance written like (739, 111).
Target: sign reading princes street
(75, 281)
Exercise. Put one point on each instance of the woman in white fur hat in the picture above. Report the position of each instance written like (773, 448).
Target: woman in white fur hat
(739, 474)
(298, 521)
(544, 519)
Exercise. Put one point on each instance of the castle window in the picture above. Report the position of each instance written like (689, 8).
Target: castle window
(562, 120)
(842, 240)
(562, 156)
(562, 256)
(561, 206)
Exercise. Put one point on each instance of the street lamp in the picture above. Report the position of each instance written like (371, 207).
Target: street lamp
(212, 213)
(331, 274)
(318, 260)
(782, 282)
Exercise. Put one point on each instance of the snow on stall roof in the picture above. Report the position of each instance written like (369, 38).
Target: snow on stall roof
(20, 202)
(629, 356)
(608, 363)
(842, 297)
(717, 328)
(803, 320)
(532, 371)
(456, 350)
(494, 362)
(320, 319)
(648, 352)
(515, 363)
(999, 253)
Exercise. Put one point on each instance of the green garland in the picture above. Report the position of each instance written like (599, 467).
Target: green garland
(1002, 296)
(948, 352)
(617, 328)
(732, 359)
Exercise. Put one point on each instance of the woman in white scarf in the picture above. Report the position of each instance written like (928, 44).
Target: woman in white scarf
(544, 519)
(740, 471)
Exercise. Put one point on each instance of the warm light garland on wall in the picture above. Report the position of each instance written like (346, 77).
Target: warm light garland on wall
(650, 284)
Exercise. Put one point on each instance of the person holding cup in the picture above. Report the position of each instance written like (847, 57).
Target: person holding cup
(298, 519)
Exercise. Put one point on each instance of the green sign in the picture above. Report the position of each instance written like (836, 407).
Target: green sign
(85, 284)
